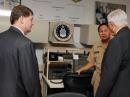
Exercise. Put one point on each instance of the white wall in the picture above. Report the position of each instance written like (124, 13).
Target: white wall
(41, 28)
(4, 23)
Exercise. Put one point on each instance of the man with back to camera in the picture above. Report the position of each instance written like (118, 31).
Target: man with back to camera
(115, 74)
(19, 76)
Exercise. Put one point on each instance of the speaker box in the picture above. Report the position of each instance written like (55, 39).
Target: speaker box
(61, 33)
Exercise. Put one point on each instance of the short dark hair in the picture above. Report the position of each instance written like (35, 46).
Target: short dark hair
(106, 24)
(18, 11)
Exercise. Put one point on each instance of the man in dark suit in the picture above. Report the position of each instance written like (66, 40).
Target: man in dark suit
(115, 74)
(19, 75)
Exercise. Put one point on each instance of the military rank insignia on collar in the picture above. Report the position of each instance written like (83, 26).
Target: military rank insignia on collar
(76, 1)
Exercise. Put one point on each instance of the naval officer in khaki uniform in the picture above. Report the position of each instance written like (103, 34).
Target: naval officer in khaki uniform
(96, 55)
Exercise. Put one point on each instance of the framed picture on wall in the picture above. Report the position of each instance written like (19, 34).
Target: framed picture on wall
(102, 9)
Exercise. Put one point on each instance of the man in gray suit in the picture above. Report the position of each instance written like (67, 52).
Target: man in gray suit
(19, 75)
(115, 74)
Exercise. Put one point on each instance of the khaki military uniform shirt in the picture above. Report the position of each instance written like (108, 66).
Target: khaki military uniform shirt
(95, 57)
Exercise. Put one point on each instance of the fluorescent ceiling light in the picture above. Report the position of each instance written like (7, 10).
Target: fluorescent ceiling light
(5, 12)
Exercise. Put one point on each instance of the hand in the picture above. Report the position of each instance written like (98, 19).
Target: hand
(78, 71)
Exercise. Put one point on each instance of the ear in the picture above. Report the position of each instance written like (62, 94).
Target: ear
(111, 25)
(114, 27)
(21, 19)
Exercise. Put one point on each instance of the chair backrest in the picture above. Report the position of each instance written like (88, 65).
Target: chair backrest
(66, 94)
(78, 83)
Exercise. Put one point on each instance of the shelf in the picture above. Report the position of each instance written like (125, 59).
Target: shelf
(59, 62)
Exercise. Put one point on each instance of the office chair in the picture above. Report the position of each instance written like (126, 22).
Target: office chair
(66, 94)
(78, 83)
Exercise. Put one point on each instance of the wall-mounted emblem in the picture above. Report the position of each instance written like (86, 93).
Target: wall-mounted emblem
(61, 32)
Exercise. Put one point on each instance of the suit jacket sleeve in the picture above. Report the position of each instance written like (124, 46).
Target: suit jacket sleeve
(29, 70)
(110, 68)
